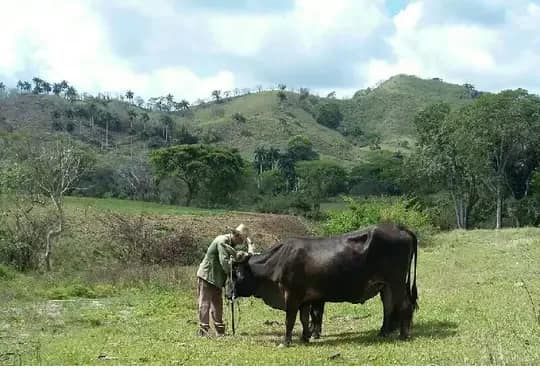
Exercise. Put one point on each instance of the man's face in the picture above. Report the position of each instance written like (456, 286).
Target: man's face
(237, 239)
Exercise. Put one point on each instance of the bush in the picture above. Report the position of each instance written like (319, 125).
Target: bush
(141, 240)
(6, 273)
(285, 204)
(22, 236)
(237, 116)
(368, 212)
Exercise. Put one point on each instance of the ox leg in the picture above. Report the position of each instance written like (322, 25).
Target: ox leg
(317, 310)
(292, 310)
(388, 310)
(304, 318)
(406, 315)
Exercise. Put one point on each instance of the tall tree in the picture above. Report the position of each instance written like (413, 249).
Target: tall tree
(505, 126)
(129, 96)
(55, 168)
(444, 156)
(71, 94)
(217, 95)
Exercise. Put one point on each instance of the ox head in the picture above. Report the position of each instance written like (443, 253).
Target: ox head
(243, 283)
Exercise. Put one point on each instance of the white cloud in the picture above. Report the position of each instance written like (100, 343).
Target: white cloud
(340, 45)
(492, 56)
(70, 43)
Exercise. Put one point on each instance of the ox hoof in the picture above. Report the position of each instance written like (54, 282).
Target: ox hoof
(384, 334)
(316, 335)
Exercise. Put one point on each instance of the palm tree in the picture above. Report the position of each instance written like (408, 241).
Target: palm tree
(274, 156)
(71, 93)
(132, 115)
(92, 111)
(2, 87)
(170, 101)
(144, 118)
(27, 87)
(184, 104)
(20, 86)
(57, 89)
(38, 85)
(217, 95)
(46, 87)
(129, 96)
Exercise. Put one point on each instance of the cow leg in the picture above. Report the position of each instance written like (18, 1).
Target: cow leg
(317, 310)
(406, 311)
(304, 318)
(292, 310)
(388, 309)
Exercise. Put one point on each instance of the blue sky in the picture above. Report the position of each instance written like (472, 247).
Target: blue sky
(191, 47)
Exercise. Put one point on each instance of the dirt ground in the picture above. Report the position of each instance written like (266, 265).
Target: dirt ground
(265, 229)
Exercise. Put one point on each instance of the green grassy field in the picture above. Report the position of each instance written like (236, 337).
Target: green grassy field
(479, 297)
(132, 206)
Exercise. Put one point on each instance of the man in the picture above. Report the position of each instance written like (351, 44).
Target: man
(212, 275)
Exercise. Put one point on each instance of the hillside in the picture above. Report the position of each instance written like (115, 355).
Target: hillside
(385, 112)
(389, 109)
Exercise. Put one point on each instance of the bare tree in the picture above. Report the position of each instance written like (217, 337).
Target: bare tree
(55, 168)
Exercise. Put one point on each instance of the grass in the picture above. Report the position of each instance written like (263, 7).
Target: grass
(135, 207)
(479, 305)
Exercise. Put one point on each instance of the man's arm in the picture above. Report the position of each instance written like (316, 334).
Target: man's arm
(225, 252)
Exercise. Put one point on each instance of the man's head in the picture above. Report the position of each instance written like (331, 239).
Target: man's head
(240, 235)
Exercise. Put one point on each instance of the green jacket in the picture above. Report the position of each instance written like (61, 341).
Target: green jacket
(216, 266)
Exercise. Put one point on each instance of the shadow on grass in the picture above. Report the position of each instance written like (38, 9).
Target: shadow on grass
(437, 329)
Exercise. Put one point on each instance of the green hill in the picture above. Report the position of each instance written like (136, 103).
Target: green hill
(382, 115)
(389, 109)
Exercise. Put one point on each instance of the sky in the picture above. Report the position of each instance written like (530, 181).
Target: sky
(190, 47)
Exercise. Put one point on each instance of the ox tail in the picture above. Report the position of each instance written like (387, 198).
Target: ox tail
(413, 290)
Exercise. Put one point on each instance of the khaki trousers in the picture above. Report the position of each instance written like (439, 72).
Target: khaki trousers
(210, 304)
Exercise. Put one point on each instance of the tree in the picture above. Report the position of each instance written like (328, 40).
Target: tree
(330, 115)
(217, 95)
(38, 85)
(215, 168)
(169, 99)
(282, 86)
(304, 93)
(27, 87)
(505, 127)
(71, 93)
(282, 96)
(2, 87)
(20, 86)
(320, 179)
(300, 148)
(57, 89)
(129, 96)
(54, 170)
(184, 105)
(167, 123)
(46, 87)
(444, 156)
(144, 119)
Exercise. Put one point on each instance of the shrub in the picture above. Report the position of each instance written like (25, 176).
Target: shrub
(285, 204)
(6, 273)
(141, 240)
(239, 117)
(401, 210)
(22, 236)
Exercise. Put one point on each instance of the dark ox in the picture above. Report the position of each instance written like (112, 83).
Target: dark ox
(301, 274)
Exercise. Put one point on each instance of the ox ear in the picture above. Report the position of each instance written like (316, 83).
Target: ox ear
(241, 256)
(360, 239)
